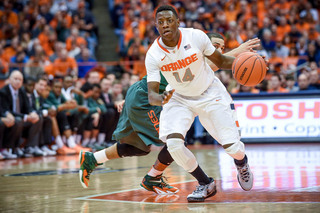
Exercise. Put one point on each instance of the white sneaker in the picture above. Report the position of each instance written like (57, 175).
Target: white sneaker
(7, 153)
(245, 177)
(202, 192)
(48, 151)
(2, 157)
(38, 152)
(54, 147)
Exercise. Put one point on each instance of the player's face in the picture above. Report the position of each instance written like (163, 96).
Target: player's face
(218, 43)
(167, 25)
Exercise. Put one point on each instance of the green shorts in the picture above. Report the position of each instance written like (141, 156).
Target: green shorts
(139, 121)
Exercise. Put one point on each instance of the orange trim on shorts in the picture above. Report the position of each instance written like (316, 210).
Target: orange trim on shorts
(155, 121)
(237, 123)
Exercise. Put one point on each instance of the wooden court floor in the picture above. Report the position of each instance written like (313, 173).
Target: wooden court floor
(286, 179)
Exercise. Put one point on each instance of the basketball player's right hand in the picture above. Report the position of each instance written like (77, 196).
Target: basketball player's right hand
(166, 95)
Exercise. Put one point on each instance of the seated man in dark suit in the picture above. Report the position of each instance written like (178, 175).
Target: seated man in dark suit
(15, 100)
(10, 131)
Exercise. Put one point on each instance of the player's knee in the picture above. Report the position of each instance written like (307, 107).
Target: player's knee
(127, 150)
(181, 154)
(174, 144)
(232, 149)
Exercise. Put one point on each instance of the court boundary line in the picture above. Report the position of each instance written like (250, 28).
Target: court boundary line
(126, 190)
(87, 198)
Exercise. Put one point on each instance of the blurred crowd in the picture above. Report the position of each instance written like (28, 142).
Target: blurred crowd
(51, 37)
(289, 31)
(56, 98)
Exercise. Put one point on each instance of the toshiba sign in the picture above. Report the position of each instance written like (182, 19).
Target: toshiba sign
(285, 119)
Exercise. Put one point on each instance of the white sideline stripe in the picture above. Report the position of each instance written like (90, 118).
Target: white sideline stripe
(127, 190)
(307, 189)
(87, 198)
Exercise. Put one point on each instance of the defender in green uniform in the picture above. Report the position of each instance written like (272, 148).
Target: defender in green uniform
(137, 130)
(139, 121)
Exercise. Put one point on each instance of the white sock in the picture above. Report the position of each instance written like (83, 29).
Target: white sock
(85, 142)
(92, 140)
(101, 137)
(59, 141)
(71, 142)
(153, 172)
(78, 139)
(100, 156)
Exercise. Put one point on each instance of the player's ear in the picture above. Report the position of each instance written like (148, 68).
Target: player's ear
(156, 25)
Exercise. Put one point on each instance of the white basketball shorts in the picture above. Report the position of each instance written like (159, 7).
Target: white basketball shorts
(214, 107)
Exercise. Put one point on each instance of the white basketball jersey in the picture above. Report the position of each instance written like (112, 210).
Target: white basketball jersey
(184, 66)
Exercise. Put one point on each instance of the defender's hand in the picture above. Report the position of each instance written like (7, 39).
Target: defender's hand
(166, 95)
(249, 45)
(119, 105)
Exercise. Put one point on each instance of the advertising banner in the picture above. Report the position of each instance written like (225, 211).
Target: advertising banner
(279, 119)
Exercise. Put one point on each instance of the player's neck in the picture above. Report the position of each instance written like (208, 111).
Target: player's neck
(173, 42)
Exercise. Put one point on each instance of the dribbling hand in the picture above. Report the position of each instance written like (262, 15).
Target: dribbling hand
(166, 95)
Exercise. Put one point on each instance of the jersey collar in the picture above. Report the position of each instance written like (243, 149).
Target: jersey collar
(164, 49)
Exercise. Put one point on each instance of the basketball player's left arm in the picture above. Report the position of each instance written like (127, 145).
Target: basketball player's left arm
(221, 61)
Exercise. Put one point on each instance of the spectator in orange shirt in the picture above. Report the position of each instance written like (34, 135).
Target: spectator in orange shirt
(65, 65)
(232, 40)
(283, 28)
(61, 16)
(11, 51)
(45, 38)
(11, 16)
(231, 12)
(275, 60)
(274, 84)
(139, 67)
(74, 37)
(313, 34)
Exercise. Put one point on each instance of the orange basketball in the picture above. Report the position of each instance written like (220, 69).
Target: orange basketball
(249, 69)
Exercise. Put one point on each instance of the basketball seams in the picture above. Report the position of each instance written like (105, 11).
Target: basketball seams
(262, 71)
(236, 71)
(234, 65)
(251, 70)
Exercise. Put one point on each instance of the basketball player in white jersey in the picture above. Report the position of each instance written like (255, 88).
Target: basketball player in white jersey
(179, 54)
